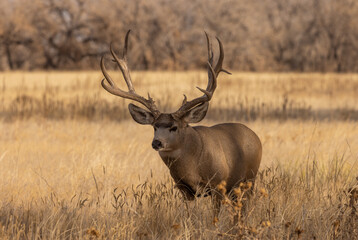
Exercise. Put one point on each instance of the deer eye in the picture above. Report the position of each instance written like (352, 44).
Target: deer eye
(173, 129)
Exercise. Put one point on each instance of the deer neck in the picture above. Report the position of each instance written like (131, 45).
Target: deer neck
(191, 148)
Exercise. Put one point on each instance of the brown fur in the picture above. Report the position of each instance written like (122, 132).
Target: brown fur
(199, 158)
(228, 152)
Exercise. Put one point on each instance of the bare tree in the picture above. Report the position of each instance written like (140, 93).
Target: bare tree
(16, 35)
(67, 33)
(260, 35)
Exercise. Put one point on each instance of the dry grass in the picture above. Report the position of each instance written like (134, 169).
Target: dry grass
(243, 96)
(87, 176)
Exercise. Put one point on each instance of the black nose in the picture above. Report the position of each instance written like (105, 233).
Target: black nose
(156, 144)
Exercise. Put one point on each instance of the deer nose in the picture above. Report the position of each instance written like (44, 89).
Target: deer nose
(156, 144)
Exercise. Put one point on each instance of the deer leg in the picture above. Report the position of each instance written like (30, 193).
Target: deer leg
(187, 191)
(247, 197)
(217, 198)
(188, 194)
(243, 198)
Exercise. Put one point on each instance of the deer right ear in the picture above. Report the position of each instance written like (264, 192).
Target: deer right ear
(140, 115)
(197, 113)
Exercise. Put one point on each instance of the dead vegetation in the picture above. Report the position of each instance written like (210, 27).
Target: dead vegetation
(275, 35)
(243, 96)
(91, 174)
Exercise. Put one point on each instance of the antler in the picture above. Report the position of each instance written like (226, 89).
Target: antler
(213, 73)
(108, 84)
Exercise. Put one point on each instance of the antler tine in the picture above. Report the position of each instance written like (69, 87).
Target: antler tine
(210, 50)
(105, 73)
(218, 67)
(112, 87)
(210, 62)
(126, 45)
(122, 63)
(213, 72)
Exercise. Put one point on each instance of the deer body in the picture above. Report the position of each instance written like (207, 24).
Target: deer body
(228, 152)
(199, 158)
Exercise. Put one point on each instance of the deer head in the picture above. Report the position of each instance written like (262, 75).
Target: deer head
(169, 128)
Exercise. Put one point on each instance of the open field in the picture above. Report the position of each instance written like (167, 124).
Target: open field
(73, 165)
(243, 96)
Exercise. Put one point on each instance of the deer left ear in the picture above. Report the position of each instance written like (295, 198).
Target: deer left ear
(197, 113)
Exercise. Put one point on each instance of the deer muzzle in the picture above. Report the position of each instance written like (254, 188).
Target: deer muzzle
(157, 145)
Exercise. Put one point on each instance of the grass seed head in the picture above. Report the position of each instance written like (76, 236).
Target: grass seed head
(221, 187)
(215, 220)
(176, 226)
(237, 192)
(238, 204)
(253, 230)
(93, 232)
(265, 223)
(249, 185)
(264, 192)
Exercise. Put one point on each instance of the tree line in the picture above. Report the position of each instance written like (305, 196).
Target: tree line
(258, 35)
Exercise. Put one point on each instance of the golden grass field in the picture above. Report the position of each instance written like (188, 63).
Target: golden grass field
(73, 165)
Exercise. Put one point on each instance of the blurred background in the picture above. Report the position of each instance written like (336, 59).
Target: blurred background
(258, 35)
(74, 165)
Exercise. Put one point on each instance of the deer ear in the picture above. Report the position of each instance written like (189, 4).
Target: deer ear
(197, 113)
(140, 115)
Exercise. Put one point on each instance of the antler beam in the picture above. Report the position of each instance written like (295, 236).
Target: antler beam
(109, 85)
(213, 73)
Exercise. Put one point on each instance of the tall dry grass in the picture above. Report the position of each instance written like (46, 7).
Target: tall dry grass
(243, 96)
(76, 173)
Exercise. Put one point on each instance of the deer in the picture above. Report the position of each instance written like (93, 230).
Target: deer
(199, 158)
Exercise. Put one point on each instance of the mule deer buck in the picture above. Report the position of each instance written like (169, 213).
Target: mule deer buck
(199, 158)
